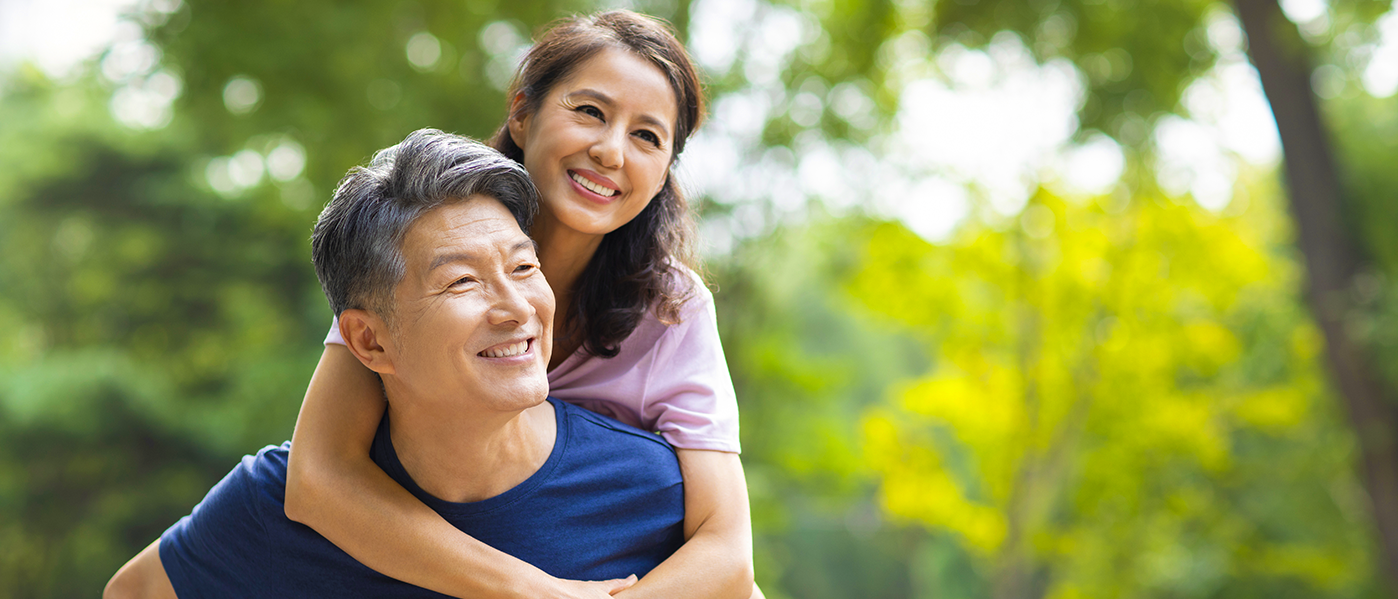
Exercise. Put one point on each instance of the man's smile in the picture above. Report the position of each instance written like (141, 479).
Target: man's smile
(509, 349)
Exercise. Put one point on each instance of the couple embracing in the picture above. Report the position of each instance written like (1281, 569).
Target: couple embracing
(485, 297)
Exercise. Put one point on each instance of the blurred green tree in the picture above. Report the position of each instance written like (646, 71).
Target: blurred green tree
(1108, 391)
(1137, 59)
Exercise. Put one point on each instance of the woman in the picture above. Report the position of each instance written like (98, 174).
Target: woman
(599, 111)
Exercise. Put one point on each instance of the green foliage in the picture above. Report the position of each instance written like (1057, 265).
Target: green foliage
(1367, 140)
(1136, 57)
(1114, 394)
(154, 333)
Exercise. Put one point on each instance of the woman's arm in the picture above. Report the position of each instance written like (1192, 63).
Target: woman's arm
(716, 558)
(693, 404)
(333, 486)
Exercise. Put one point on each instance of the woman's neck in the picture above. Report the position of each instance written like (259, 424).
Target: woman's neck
(563, 255)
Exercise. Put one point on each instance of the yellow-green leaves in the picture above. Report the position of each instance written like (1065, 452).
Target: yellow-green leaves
(1089, 387)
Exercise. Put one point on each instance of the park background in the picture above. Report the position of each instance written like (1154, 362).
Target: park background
(1013, 292)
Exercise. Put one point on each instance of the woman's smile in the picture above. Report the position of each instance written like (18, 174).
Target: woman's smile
(593, 184)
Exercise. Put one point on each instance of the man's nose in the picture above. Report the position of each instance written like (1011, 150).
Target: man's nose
(510, 304)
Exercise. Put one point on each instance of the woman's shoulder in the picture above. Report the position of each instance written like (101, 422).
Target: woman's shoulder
(689, 287)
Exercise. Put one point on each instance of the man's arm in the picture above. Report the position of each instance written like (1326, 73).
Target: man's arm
(716, 558)
(141, 578)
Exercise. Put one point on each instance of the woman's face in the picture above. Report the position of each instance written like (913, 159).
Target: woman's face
(599, 144)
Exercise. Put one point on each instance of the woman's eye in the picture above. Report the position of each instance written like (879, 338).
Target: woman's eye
(650, 137)
(590, 110)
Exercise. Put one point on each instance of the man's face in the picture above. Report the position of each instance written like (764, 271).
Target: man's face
(473, 314)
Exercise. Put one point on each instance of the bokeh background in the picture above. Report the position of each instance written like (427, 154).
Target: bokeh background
(1012, 291)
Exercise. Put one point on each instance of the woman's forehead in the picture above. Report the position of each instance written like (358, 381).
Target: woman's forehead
(623, 78)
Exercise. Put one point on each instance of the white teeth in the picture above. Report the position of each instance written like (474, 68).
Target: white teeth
(597, 189)
(512, 350)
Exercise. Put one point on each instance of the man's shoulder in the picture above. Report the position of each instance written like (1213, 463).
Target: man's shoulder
(258, 477)
(224, 540)
(586, 423)
(238, 542)
(247, 493)
(596, 441)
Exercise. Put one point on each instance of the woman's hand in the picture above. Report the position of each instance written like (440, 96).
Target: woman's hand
(597, 589)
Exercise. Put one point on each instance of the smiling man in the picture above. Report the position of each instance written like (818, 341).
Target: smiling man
(424, 257)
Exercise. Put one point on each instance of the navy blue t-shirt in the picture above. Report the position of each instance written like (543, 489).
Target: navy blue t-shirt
(608, 502)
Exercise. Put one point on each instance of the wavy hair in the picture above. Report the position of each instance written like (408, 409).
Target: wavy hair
(639, 266)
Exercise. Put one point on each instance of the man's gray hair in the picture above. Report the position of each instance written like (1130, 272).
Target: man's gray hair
(357, 243)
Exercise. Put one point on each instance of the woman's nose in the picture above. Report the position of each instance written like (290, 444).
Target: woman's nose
(609, 149)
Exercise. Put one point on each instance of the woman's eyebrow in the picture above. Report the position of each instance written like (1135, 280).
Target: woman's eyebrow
(604, 99)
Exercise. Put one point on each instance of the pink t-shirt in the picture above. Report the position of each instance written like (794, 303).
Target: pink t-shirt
(671, 379)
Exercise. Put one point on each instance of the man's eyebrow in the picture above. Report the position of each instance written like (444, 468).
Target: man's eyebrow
(470, 257)
(605, 99)
(452, 257)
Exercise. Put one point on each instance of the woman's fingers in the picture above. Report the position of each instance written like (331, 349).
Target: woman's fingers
(620, 584)
(591, 589)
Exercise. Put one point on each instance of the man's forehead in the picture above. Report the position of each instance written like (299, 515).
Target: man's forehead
(472, 229)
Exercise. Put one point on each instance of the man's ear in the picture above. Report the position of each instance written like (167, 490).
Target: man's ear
(518, 121)
(368, 339)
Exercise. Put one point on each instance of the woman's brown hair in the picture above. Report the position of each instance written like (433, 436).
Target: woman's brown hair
(639, 266)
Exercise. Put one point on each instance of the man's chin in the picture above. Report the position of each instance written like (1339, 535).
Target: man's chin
(522, 396)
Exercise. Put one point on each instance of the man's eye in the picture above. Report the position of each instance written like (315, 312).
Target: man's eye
(523, 268)
(462, 281)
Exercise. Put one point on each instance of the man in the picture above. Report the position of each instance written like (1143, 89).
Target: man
(423, 256)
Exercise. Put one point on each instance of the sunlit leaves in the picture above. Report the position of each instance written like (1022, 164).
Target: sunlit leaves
(1095, 375)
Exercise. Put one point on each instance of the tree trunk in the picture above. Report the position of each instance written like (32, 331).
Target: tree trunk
(1332, 261)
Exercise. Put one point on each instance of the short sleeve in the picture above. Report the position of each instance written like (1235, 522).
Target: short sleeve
(333, 337)
(689, 393)
(220, 548)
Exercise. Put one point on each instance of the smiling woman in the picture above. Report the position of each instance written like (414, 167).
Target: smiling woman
(617, 90)
(598, 148)
(600, 109)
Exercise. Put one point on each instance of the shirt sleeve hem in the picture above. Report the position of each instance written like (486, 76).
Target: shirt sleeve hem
(706, 444)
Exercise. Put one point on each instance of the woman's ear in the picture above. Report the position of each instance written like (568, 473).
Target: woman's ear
(519, 120)
(366, 335)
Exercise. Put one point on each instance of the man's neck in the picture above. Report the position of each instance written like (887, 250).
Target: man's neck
(464, 457)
